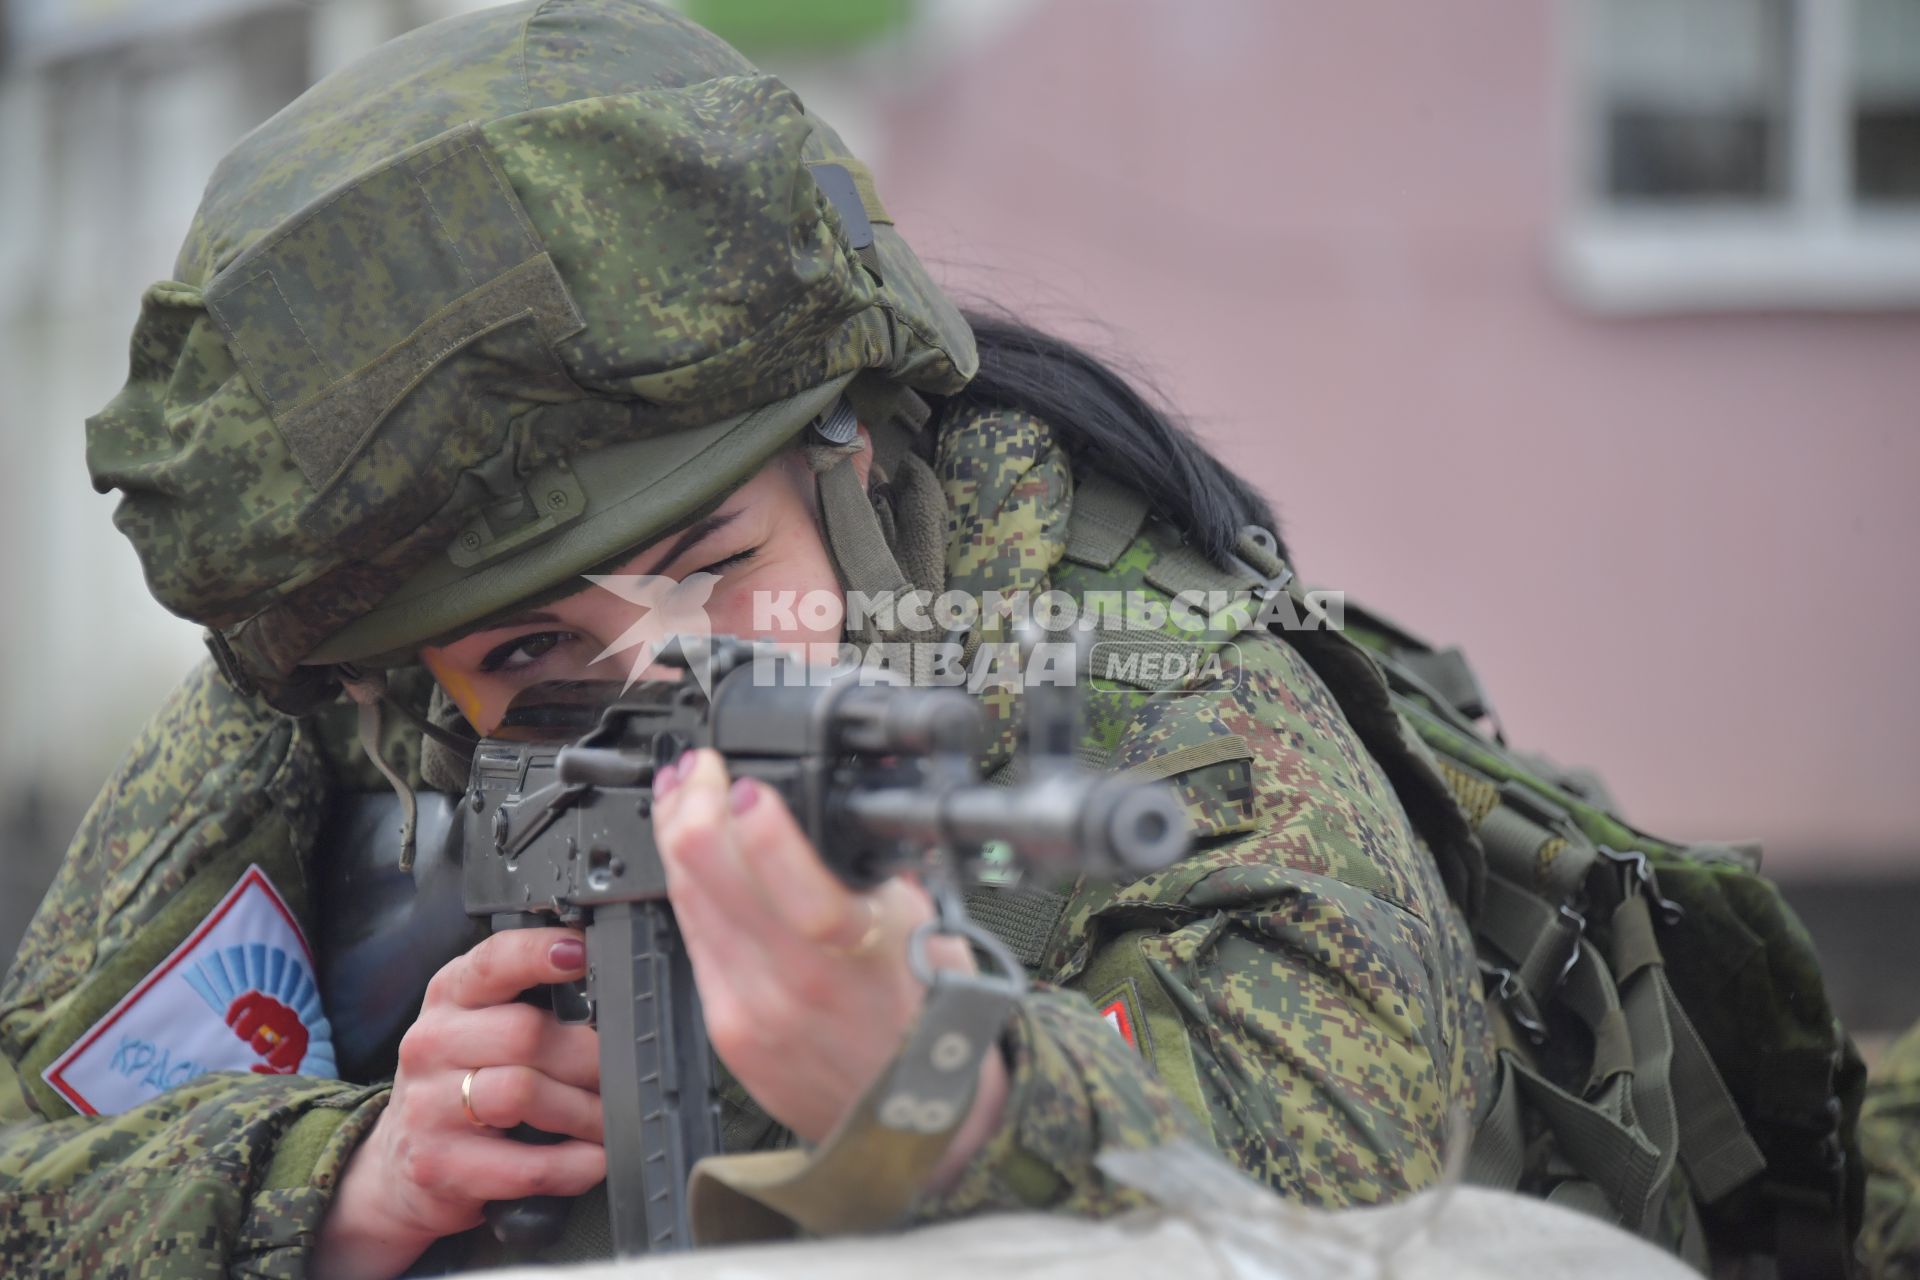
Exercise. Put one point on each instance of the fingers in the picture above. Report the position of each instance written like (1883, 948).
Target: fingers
(503, 1097)
(741, 844)
(504, 1035)
(477, 1168)
(507, 963)
(777, 854)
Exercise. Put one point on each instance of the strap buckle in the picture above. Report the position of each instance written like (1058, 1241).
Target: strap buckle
(1579, 923)
(1515, 1000)
(1257, 547)
(839, 425)
(1636, 872)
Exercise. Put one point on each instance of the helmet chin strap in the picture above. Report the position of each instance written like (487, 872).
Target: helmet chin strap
(369, 691)
(901, 522)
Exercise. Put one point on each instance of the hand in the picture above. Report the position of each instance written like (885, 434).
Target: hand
(427, 1171)
(271, 1030)
(804, 983)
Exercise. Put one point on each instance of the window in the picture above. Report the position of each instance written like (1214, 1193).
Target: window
(1886, 102)
(1742, 153)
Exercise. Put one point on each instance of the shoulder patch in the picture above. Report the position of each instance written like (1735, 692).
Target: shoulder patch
(237, 995)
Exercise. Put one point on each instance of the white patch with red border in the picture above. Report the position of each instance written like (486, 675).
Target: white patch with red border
(238, 995)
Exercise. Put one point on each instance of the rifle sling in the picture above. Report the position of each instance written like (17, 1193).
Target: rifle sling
(871, 1168)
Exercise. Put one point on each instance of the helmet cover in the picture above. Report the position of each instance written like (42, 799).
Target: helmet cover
(514, 292)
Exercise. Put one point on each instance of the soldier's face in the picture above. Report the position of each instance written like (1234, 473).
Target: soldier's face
(763, 541)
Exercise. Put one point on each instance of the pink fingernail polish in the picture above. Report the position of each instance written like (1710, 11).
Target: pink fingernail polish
(568, 955)
(742, 795)
(666, 778)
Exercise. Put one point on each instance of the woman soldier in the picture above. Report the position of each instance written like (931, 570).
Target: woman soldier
(563, 288)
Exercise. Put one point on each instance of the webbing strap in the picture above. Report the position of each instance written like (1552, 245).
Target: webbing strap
(1634, 947)
(1653, 1105)
(1527, 838)
(1599, 1140)
(1499, 1153)
(1590, 993)
(1195, 755)
(1715, 1146)
(866, 1173)
(1142, 659)
(1650, 1071)
(1553, 859)
(1539, 940)
(854, 534)
(1182, 568)
(1621, 1136)
(1105, 520)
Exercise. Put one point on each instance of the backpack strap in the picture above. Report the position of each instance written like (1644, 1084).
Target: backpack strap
(1710, 1138)
(1548, 878)
(1647, 1098)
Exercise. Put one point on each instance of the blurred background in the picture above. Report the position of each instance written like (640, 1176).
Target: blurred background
(1583, 334)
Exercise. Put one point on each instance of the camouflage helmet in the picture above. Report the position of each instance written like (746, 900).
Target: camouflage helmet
(511, 295)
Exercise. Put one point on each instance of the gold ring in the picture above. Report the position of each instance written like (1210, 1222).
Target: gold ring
(466, 1100)
(868, 940)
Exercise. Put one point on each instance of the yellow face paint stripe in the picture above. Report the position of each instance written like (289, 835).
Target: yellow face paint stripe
(459, 686)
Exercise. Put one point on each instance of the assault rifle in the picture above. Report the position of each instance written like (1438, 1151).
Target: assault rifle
(556, 828)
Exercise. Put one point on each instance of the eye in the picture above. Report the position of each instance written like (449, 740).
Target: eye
(522, 652)
(737, 558)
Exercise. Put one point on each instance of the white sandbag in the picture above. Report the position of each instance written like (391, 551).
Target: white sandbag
(1213, 1223)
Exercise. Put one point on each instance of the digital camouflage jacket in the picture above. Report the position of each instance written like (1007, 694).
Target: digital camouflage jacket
(1300, 990)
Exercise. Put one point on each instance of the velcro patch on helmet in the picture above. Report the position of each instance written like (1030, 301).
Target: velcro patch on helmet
(836, 183)
(340, 314)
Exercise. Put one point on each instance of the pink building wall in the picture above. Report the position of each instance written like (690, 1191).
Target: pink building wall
(1678, 549)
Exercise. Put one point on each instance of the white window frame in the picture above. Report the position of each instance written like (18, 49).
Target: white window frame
(1818, 249)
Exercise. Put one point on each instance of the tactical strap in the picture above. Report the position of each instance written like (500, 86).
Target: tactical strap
(1541, 941)
(1649, 1077)
(368, 693)
(854, 535)
(868, 554)
(1106, 519)
(871, 1168)
(1137, 658)
(1712, 1141)
(1531, 840)
(1626, 1133)
(1196, 755)
(1181, 568)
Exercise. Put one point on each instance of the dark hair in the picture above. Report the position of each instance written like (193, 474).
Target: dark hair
(1104, 422)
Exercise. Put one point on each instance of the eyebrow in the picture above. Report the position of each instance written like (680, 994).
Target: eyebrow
(699, 531)
(533, 618)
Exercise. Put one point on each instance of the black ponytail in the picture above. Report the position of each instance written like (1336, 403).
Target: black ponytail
(1103, 422)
